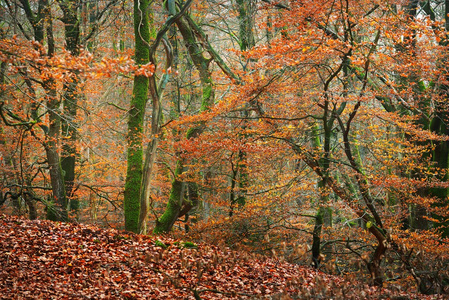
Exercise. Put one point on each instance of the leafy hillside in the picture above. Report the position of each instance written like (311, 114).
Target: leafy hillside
(41, 259)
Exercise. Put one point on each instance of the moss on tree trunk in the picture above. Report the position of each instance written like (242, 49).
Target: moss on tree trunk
(171, 213)
(175, 201)
(136, 117)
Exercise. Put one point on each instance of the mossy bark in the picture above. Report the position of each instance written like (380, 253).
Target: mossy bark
(437, 108)
(175, 202)
(167, 220)
(246, 23)
(136, 117)
(53, 130)
(440, 125)
(156, 91)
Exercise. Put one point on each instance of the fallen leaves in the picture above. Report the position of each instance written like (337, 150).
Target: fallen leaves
(41, 259)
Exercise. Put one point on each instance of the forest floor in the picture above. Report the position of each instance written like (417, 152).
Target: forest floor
(53, 260)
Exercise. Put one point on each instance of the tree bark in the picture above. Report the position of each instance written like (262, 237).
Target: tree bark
(156, 91)
(70, 98)
(136, 118)
(59, 211)
(176, 199)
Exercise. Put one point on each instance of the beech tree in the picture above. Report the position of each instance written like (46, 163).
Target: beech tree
(39, 66)
(316, 88)
(315, 131)
(136, 117)
(177, 206)
(137, 189)
(42, 33)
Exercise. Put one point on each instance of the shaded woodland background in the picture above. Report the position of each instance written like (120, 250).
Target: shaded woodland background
(312, 131)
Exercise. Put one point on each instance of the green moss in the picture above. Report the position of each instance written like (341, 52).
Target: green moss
(158, 243)
(207, 95)
(122, 237)
(135, 154)
(189, 245)
(166, 221)
(141, 31)
(193, 132)
(132, 189)
(135, 119)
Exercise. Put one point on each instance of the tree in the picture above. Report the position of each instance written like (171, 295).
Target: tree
(302, 126)
(137, 189)
(42, 33)
(136, 117)
(47, 75)
(325, 66)
(177, 206)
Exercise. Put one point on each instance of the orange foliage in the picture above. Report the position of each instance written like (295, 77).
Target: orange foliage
(368, 66)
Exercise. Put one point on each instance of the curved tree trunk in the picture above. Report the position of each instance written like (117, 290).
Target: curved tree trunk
(176, 205)
(156, 91)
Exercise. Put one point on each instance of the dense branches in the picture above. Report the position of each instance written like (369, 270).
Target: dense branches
(315, 131)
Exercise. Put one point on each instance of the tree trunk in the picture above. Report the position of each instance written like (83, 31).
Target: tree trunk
(246, 10)
(150, 158)
(58, 212)
(167, 220)
(136, 117)
(324, 214)
(71, 96)
(176, 199)
(316, 239)
(156, 91)
(440, 125)
(53, 135)
(43, 28)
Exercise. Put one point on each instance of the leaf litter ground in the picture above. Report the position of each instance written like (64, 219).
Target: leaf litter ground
(50, 260)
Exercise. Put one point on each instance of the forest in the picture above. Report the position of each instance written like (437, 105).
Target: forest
(296, 132)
